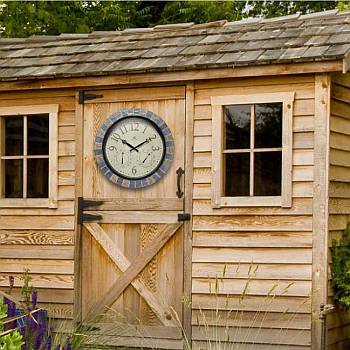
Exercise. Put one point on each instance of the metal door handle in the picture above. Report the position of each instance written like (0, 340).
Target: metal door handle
(179, 173)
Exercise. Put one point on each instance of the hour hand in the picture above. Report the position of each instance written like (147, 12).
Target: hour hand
(131, 146)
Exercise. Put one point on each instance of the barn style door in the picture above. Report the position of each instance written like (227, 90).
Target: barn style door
(132, 239)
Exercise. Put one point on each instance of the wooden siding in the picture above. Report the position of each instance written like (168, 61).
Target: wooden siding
(42, 239)
(339, 191)
(263, 253)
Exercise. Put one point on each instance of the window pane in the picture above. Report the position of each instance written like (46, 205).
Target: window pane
(13, 128)
(268, 125)
(237, 126)
(267, 173)
(38, 134)
(237, 174)
(13, 178)
(37, 181)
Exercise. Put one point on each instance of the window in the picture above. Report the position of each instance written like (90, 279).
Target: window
(28, 156)
(252, 137)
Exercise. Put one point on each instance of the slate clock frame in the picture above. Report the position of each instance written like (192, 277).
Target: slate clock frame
(106, 168)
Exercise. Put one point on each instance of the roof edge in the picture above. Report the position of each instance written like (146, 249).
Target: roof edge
(136, 78)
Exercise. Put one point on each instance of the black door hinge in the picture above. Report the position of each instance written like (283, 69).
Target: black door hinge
(183, 217)
(84, 204)
(84, 96)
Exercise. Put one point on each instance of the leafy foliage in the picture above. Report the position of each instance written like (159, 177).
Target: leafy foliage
(341, 268)
(8, 340)
(25, 18)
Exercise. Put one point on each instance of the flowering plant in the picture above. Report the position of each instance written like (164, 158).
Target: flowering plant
(31, 323)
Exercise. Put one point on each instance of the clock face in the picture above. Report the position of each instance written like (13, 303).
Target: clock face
(134, 147)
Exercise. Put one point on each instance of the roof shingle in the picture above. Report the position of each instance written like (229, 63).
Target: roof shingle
(315, 37)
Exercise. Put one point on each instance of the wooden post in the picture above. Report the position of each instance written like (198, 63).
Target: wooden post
(79, 121)
(320, 204)
(187, 308)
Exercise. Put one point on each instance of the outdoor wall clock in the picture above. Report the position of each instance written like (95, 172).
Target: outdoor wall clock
(134, 148)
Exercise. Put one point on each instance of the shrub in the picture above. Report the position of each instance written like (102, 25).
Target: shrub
(341, 268)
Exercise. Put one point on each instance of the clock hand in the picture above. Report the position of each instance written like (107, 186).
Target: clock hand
(146, 157)
(140, 144)
(131, 146)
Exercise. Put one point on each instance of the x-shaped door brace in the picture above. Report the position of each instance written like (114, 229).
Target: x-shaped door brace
(131, 272)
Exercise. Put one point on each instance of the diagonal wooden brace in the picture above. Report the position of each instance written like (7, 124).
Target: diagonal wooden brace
(130, 272)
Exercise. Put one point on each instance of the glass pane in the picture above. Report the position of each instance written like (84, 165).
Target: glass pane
(268, 125)
(38, 134)
(13, 186)
(237, 174)
(237, 126)
(267, 173)
(38, 178)
(13, 128)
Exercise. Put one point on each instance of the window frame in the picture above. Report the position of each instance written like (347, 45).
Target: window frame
(218, 200)
(51, 201)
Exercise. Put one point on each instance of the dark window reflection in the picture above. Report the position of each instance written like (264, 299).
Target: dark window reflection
(13, 136)
(237, 126)
(267, 173)
(38, 186)
(38, 134)
(13, 178)
(268, 125)
(237, 174)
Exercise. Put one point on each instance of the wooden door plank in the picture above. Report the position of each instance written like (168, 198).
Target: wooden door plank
(132, 271)
(141, 217)
(131, 330)
(132, 204)
(123, 264)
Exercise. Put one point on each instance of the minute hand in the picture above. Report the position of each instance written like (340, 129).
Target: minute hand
(139, 145)
(131, 146)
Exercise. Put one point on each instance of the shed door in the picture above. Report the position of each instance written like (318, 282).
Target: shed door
(132, 251)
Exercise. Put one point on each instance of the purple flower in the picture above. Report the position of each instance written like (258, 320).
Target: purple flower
(48, 343)
(11, 282)
(11, 312)
(34, 298)
(68, 345)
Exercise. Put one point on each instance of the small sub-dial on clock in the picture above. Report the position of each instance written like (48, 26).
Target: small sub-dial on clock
(146, 158)
(119, 155)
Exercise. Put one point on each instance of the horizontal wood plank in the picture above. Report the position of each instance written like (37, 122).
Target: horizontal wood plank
(35, 266)
(132, 204)
(37, 237)
(267, 303)
(32, 252)
(254, 271)
(300, 206)
(251, 287)
(40, 223)
(252, 255)
(252, 223)
(252, 239)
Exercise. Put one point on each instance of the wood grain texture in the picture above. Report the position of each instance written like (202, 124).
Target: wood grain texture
(18, 237)
(339, 193)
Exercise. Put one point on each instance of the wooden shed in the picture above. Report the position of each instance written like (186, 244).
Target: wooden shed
(187, 178)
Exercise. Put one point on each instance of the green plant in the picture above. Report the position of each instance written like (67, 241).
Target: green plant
(341, 268)
(10, 339)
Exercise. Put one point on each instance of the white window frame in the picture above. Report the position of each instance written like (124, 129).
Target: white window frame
(51, 201)
(218, 126)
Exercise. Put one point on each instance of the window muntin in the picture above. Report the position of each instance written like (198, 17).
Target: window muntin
(235, 147)
(29, 156)
(25, 156)
(253, 152)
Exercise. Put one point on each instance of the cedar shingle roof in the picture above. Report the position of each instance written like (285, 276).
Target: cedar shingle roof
(320, 36)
